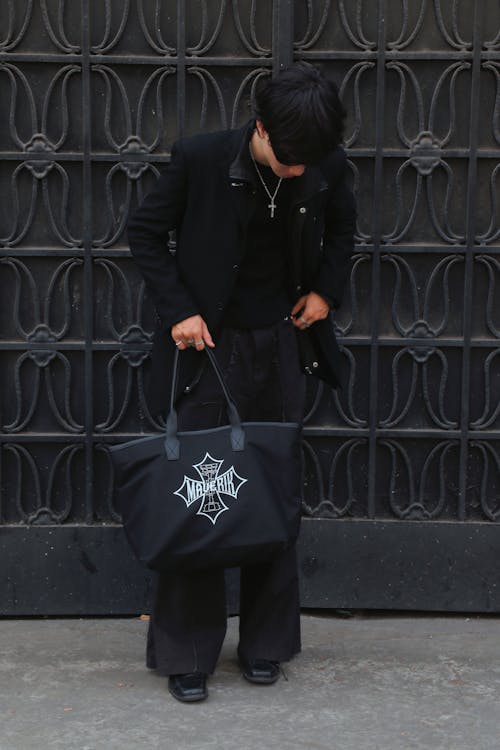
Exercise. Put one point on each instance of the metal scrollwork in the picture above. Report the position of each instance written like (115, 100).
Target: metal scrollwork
(449, 26)
(489, 478)
(492, 266)
(353, 77)
(246, 93)
(40, 150)
(408, 34)
(426, 155)
(152, 28)
(346, 320)
(207, 40)
(109, 38)
(343, 472)
(313, 32)
(250, 38)
(125, 324)
(207, 80)
(491, 409)
(107, 472)
(131, 143)
(354, 28)
(15, 24)
(32, 504)
(427, 320)
(346, 403)
(42, 339)
(422, 495)
(56, 26)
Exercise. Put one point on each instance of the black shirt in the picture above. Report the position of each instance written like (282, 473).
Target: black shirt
(259, 297)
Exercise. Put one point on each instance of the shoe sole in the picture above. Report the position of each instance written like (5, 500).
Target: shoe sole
(261, 680)
(187, 698)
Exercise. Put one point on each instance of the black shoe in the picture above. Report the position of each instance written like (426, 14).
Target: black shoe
(188, 688)
(260, 671)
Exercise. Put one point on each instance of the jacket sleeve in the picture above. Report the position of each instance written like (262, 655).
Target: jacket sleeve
(148, 232)
(338, 239)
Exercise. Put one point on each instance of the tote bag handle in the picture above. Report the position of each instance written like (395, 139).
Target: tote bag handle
(172, 448)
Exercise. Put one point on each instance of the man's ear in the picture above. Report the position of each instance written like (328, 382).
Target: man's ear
(260, 129)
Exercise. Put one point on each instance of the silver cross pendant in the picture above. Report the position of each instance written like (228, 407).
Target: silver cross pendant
(272, 206)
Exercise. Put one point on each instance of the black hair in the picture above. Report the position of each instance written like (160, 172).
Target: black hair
(302, 113)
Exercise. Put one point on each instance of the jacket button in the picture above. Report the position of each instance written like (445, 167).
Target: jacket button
(187, 389)
(315, 364)
(235, 267)
(299, 288)
(302, 209)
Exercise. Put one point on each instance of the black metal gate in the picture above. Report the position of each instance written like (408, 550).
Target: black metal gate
(402, 469)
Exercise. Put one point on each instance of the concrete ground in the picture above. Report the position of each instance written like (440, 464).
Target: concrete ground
(371, 682)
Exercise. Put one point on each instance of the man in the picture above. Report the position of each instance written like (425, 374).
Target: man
(264, 227)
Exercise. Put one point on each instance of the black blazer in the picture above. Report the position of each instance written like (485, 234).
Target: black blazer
(206, 194)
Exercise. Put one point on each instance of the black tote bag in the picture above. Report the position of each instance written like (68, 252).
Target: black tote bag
(218, 497)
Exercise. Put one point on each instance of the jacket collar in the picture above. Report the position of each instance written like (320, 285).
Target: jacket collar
(308, 184)
(241, 169)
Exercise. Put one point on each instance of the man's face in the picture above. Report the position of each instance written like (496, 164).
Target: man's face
(286, 171)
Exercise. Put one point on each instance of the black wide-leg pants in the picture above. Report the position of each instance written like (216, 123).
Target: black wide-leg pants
(188, 616)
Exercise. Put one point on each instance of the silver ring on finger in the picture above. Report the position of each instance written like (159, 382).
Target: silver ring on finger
(178, 343)
(304, 321)
(198, 343)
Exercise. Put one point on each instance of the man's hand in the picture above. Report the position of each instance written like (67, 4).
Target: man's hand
(308, 309)
(192, 331)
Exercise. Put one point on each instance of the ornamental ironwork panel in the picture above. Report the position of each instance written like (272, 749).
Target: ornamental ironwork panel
(414, 435)
(92, 96)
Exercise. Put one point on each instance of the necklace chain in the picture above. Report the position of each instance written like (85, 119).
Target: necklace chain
(271, 206)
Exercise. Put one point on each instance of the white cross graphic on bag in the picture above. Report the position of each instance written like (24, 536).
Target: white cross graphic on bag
(210, 488)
